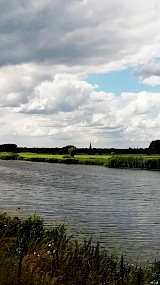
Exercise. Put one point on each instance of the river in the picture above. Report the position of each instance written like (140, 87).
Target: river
(119, 207)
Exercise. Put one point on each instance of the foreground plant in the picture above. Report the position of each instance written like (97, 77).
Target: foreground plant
(30, 253)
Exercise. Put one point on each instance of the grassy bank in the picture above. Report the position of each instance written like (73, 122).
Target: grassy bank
(77, 159)
(30, 253)
(113, 161)
(140, 162)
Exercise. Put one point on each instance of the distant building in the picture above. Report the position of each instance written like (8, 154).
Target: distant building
(90, 149)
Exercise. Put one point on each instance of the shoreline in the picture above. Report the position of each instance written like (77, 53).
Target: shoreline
(139, 162)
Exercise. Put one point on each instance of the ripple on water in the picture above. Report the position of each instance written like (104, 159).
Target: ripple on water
(120, 207)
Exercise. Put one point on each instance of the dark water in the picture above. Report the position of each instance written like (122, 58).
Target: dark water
(119, 207)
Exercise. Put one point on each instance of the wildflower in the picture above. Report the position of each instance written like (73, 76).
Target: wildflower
(18, 250)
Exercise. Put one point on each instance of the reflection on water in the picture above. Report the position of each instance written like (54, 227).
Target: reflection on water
(120, 207)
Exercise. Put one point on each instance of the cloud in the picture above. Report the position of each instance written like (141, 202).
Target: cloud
(79, 33)
(17, 83)
(140, 103)
(69, 108)
(47, 48)
(149, 73)
(64, 94)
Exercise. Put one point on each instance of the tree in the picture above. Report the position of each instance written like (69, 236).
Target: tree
(71, 151)
(8, 147)
(154, 147)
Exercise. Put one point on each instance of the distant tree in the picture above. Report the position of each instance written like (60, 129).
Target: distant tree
(71, 151)
(66, 148)
(154, 147)
(8, 147)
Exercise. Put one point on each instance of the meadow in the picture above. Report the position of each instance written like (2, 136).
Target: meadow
(143, 161)
(77, 159)
(31, 253)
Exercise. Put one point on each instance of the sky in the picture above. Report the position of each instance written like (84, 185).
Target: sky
(79, 71)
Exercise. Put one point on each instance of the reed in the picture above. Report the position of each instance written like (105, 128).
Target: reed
(31, 253)
(134, 162)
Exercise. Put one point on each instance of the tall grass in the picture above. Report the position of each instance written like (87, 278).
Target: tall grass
(30, 253)
(134, 162)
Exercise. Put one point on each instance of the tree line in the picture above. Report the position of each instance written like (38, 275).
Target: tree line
(154, 148)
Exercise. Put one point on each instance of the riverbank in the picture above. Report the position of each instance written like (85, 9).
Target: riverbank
(30, 253)
(148, 162)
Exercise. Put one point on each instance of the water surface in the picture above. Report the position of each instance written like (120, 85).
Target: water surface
(119, 207)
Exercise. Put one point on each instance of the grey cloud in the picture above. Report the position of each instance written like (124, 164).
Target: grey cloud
(147, 70)
(17, 83)
(67, 32)
(41, 38)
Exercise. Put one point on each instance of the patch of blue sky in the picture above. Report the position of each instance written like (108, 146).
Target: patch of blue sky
(120, 81)
(154, 112)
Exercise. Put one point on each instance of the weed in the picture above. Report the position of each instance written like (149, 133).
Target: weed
(30, 253)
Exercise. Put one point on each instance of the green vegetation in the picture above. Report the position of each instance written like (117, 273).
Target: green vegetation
(71, 151)
(114, 161)
(30, 253)
(67, 159)
(9, 155)
(154, 147)
(142, 162)
(118, 161)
